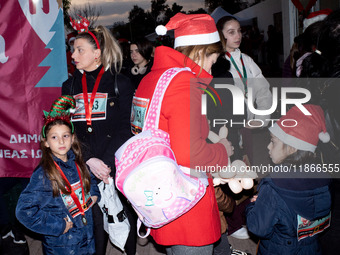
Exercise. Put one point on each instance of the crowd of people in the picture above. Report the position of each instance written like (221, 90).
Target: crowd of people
(292, 214)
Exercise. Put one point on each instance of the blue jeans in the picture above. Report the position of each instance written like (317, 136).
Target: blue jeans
(190, 250)
(222, 247)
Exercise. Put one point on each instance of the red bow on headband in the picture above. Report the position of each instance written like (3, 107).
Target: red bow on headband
(80, 25)
(83, 26)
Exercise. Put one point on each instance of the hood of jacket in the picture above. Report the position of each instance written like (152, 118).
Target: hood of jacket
(311, 203)
(166, 58)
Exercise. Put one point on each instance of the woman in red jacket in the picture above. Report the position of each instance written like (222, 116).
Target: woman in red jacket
(197, 46)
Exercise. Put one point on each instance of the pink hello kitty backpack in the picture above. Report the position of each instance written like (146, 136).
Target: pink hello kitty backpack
(147, 172)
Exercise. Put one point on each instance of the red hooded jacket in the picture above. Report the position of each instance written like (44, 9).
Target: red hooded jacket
(188, 129)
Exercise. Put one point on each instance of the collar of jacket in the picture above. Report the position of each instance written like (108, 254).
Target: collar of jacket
(166, 58)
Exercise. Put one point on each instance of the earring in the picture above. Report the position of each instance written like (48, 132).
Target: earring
(96, 59)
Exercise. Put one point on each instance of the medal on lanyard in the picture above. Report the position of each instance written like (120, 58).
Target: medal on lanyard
(88, 105)
(244, 76)
(74, 196)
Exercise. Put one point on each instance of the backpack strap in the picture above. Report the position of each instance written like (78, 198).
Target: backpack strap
(152, 117)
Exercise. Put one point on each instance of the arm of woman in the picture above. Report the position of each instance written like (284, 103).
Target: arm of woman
(38, 210)
(94, 188)
(126, 91)
(263, 95)
(225, 203)
(188, 129)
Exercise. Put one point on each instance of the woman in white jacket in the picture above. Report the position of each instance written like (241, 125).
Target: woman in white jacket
(244, 71)
(248, 77)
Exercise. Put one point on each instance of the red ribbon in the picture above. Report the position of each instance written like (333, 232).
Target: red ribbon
(73, 195)
(88, 106)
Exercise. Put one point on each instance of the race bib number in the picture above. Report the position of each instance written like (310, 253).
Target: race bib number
(138, 114)
(71, 205)
(308, 228)
(98, 108)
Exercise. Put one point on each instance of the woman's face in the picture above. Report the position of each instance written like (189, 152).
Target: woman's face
(136, 57)
(209, 61)
(85, 56)
(232, 34)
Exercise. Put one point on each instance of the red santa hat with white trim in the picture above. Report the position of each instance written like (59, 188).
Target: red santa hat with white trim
(191, 29)
(302, 131)
(315, 16)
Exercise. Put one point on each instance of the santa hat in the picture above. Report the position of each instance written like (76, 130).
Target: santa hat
(302, 131)
(315, 16)
(71, 37)
(192, 29)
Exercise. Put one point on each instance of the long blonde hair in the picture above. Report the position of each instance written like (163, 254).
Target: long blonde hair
(111, 53)
(200, 52)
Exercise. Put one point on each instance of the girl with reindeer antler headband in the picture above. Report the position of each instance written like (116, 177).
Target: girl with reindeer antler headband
(57, 202)
(103, 106)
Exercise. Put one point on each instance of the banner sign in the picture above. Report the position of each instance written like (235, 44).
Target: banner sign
(32, 70)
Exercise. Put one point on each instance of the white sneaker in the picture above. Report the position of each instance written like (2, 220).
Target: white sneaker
(242, 233)
(237, 252)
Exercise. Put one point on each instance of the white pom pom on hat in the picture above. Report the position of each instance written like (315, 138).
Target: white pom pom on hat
(324, 137)
(161, 30)
(315, 16)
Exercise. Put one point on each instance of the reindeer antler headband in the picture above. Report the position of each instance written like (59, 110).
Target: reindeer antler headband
(83, 26)
(61, 110)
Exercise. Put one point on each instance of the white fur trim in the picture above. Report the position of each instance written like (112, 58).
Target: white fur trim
(161, 30)
(324, 137)
(318, 52)
(291, 140)
(200, 39)
(308, 22)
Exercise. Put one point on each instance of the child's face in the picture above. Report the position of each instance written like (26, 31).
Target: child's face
(59, 139)
(278, 151)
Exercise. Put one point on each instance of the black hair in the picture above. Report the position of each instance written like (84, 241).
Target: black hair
(301, 157)
(220, 25)
(325, 62)
(145, 47)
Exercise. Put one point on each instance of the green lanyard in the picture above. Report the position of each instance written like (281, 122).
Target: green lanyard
(244, 76)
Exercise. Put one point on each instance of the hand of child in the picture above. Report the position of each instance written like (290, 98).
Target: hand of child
(253, 199)
(228, 146)
(94, 199)
(99, 169)
(69, 225)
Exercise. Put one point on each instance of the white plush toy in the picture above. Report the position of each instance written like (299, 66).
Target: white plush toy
(236, 174)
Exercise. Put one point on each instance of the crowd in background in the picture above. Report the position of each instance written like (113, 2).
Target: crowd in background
(134, 68)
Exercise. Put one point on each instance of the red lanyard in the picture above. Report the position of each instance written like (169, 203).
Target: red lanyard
(244, 76)
(88, 106)
(73, 195)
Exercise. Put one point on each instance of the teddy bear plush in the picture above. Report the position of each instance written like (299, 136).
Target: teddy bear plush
(236, 174)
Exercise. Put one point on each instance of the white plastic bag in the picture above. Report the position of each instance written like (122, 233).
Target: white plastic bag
(116, 223)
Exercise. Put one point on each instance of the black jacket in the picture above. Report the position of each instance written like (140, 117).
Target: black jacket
(109, 133)
(136, 79)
